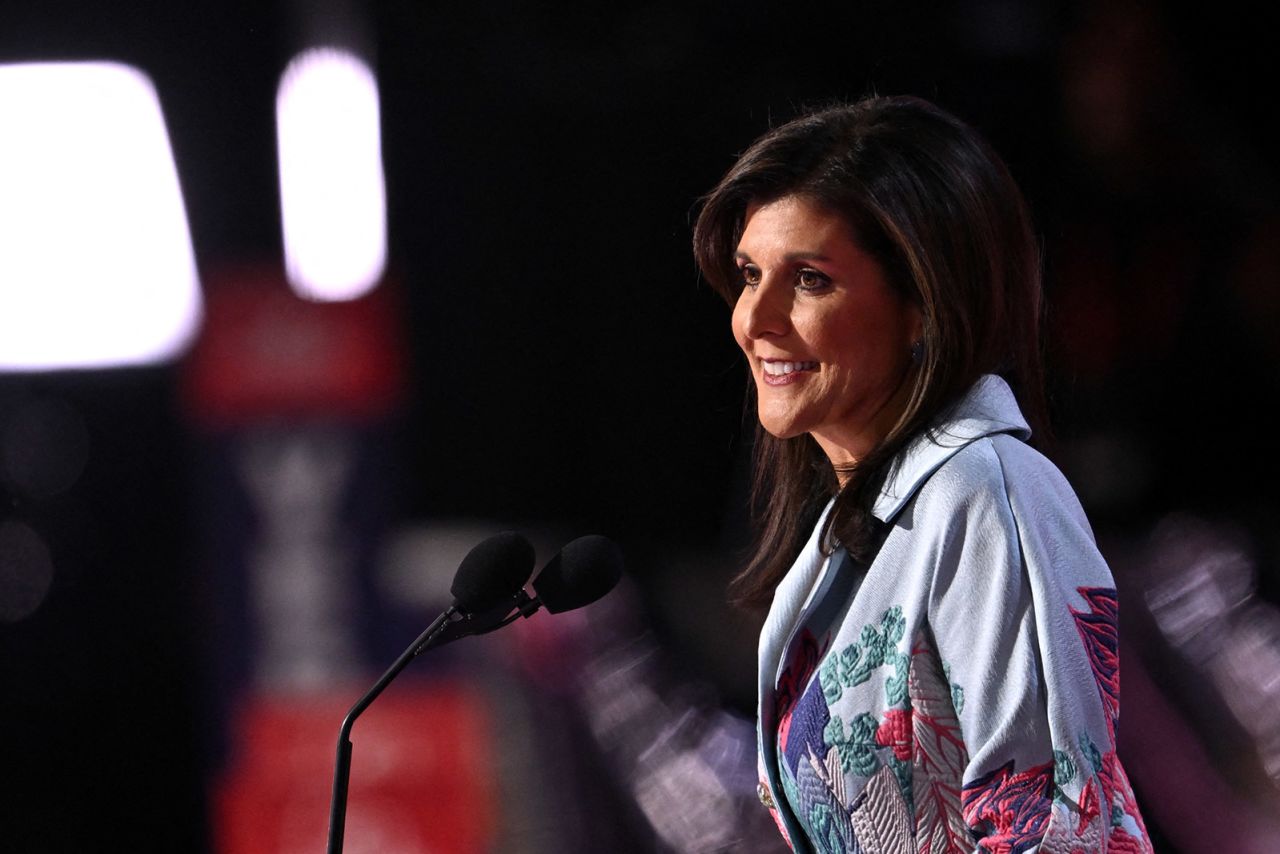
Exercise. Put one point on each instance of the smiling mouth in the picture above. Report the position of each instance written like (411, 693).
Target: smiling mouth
(781, 369)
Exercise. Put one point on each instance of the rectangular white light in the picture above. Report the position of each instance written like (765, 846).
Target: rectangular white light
(96, 264)
(332, 192)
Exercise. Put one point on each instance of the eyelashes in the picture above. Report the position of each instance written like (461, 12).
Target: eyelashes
(807, 279)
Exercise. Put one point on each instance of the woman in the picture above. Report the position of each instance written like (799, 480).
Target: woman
(938, 668)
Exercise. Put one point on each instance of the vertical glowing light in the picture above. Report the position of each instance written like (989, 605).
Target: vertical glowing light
(96, 264)
(332, 193)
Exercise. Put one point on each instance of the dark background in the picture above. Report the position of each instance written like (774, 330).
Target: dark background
(565, 363)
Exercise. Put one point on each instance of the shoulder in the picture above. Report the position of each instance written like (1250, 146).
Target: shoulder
(1001, 478)
(996, 466)
(974, 476)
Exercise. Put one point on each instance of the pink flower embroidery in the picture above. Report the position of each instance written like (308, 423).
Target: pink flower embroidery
(895, 731)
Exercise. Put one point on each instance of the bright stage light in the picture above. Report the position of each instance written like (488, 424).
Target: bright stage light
(332, 194)
(96, 265)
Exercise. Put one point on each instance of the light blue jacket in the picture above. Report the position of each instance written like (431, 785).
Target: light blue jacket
(962, 692)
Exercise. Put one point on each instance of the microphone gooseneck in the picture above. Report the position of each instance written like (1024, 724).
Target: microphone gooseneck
(488, 592)
(494, 570)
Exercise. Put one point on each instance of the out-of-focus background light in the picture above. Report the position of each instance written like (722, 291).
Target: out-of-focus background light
(96, 263)
(25, 571)
(332, 194)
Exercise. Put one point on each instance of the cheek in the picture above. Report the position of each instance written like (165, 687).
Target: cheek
(859, 356)
(738, 324)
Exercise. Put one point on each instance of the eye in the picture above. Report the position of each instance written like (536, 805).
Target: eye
(809, 279)
(750, 274)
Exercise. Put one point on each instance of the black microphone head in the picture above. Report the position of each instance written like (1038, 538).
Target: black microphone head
(492, 571)
(581, 573)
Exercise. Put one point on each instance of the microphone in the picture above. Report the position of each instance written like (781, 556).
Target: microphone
(579, 574)
(488, 592)
(493, 572)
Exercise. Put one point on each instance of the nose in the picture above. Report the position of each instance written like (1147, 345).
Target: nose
(765, 311)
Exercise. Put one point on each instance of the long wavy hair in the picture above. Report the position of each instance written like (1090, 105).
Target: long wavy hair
(929, 199)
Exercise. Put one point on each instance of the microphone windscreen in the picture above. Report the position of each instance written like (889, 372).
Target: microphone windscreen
(581, 573)
(492, 571)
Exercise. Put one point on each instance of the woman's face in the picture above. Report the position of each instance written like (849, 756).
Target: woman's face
(827, 338)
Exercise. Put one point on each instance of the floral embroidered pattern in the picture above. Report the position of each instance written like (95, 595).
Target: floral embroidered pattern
(817, 749)
(895, 731)
(874, 648)
(1011, 809)
(793, 681)
(957, 693)
(856, 746)
(1100, 633)
(939, 755)
(1020, 810)
(1105, 816)
(917, 741)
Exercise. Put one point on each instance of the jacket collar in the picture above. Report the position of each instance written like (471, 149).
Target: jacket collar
(988, 408)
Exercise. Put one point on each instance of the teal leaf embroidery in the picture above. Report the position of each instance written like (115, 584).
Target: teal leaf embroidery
(875, 647)
(957, 693)
(857, 749)
(1064, 770)
(825, 833)
(830, 679)
(1090, 750)
(847, 663)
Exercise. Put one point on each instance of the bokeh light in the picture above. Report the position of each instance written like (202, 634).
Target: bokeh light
(26, 571)
(44, 446)
(332, 193)
(96, 262)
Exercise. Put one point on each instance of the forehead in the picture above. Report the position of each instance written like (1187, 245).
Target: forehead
(795, 223)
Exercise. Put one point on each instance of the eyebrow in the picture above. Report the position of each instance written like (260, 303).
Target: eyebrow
(790, 256)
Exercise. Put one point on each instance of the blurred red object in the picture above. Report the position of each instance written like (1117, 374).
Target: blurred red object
(265, 352)
(421, 775)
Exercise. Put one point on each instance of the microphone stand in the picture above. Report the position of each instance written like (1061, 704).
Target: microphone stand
(342, 766)
(449, 626)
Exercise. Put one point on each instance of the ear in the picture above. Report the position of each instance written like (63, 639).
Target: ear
(915, 322)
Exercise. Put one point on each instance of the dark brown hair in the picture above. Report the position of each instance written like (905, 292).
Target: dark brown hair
(927, 197)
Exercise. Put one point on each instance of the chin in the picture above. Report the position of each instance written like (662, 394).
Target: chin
(783, 430)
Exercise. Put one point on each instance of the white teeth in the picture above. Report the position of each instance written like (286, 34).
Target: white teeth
(779, 369)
